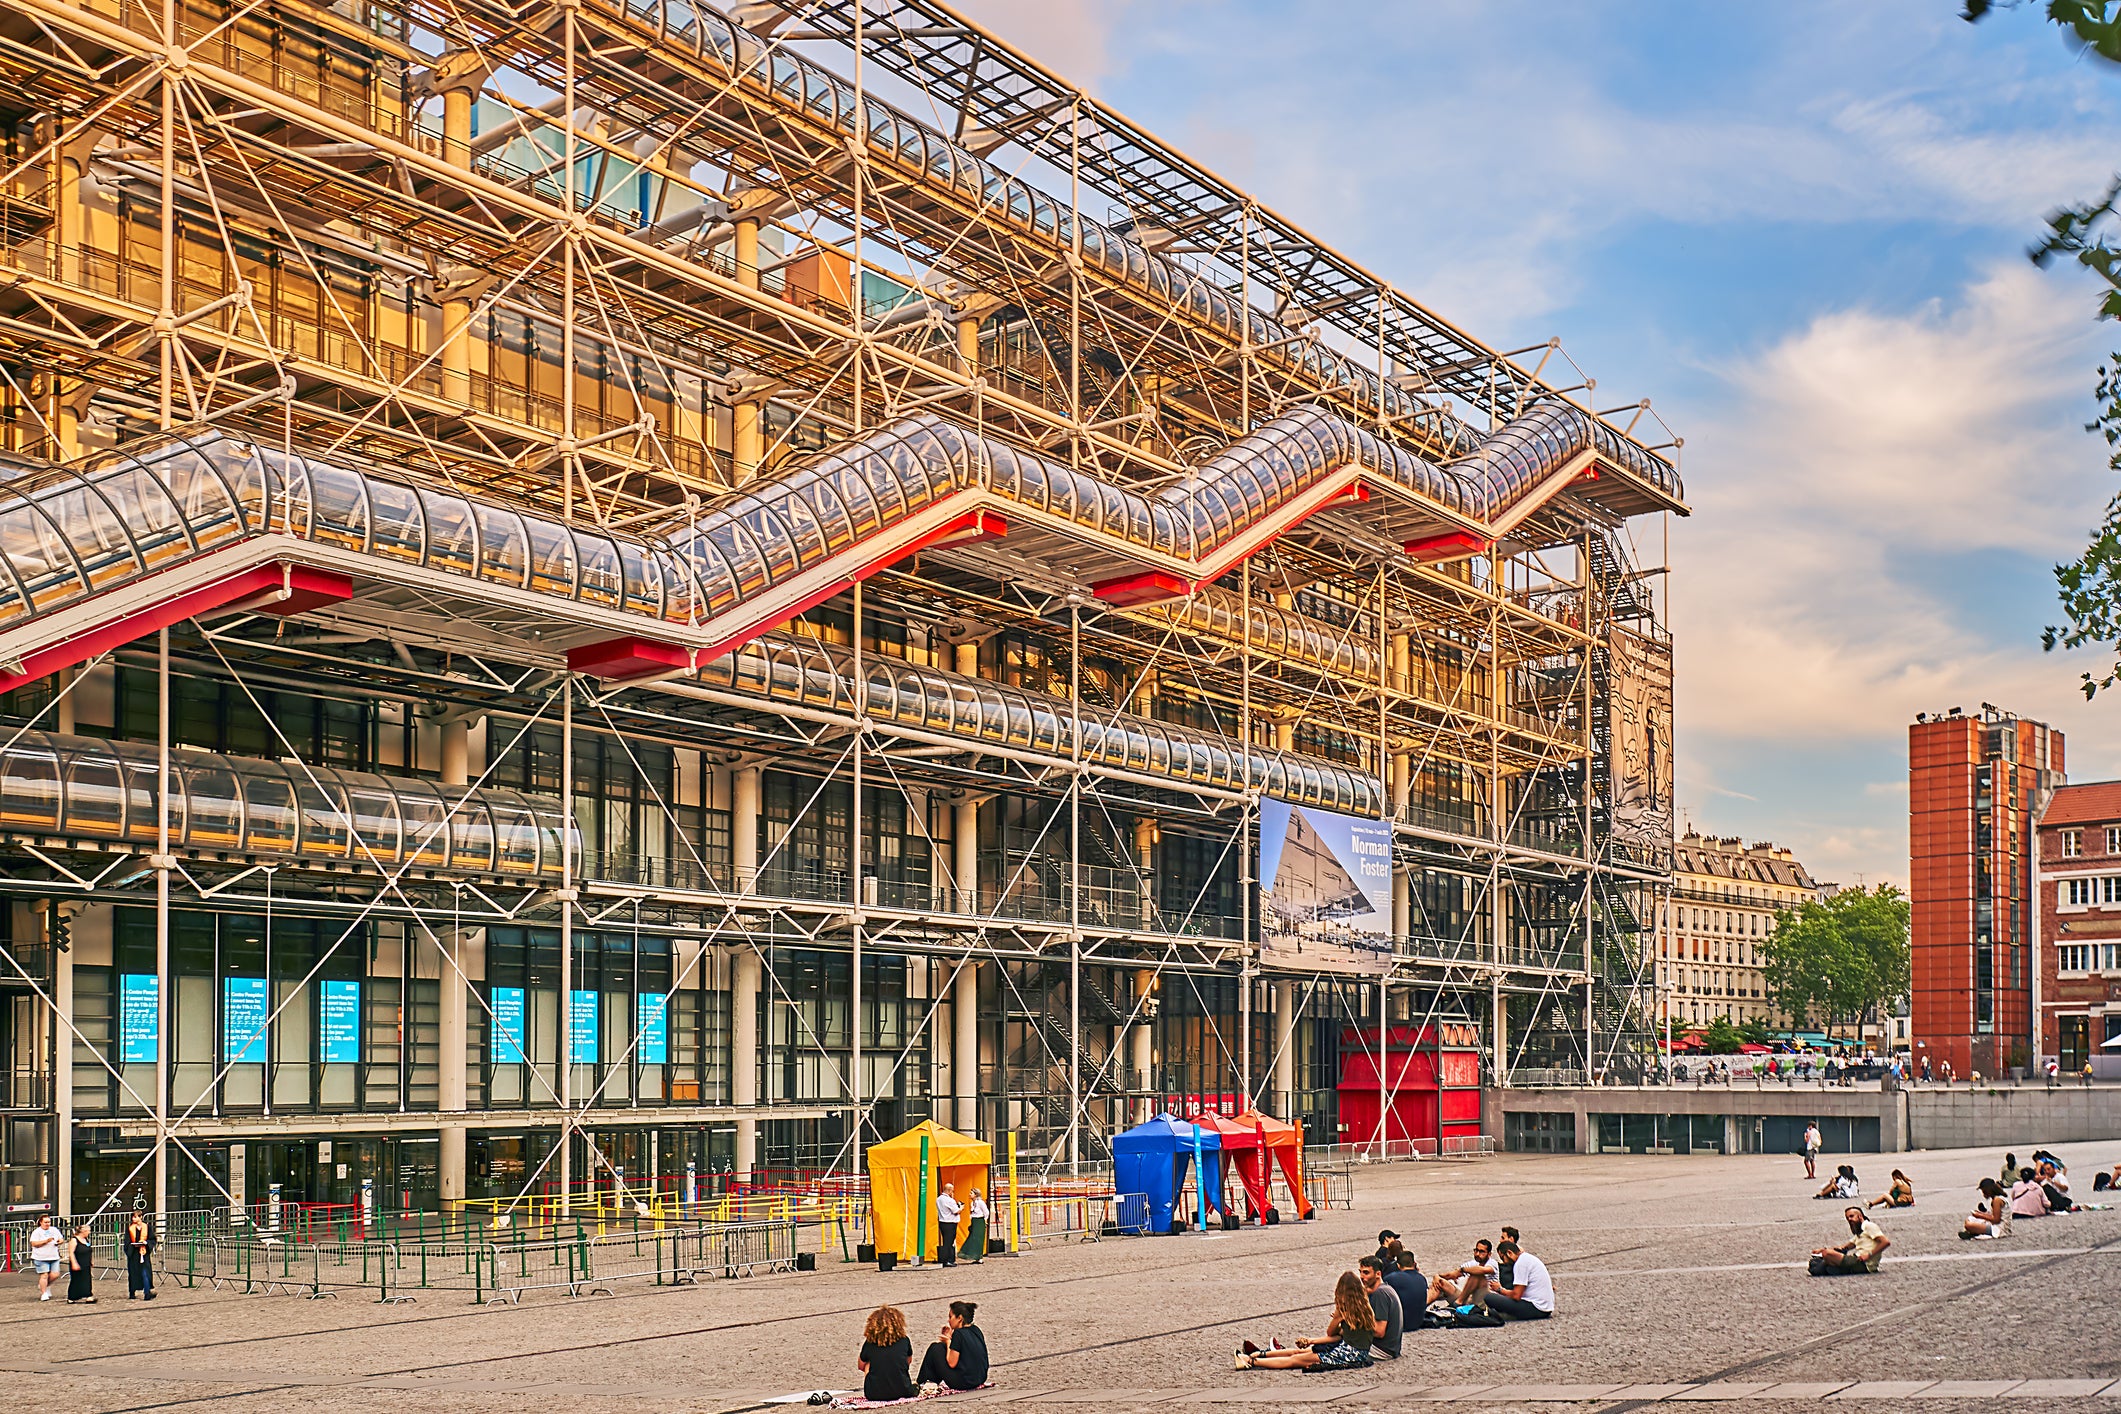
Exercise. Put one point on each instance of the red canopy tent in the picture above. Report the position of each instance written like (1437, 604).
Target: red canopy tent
(1253, 1141)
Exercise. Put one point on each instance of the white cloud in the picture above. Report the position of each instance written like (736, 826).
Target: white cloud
(1072, 38)
(1856, 463)
(1853, 452)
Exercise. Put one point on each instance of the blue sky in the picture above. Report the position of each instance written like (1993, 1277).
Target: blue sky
(1799, 229)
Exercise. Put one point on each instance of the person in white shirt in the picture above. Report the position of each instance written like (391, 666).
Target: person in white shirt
(45, 1244)
(1811, 1150)
(1530, 1296)
(947, 1211)
(976, 1233)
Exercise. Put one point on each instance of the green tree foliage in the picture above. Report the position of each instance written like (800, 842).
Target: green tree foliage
(1721, 1038)
(1756, 1032)
(1835, 959)
(2090, 585)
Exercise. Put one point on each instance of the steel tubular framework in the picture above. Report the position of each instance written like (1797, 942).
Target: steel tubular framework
(795, 525)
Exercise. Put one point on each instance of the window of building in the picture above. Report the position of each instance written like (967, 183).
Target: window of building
(2074, 957)
(2079, 893)
(2072, 843)
(2113, 839)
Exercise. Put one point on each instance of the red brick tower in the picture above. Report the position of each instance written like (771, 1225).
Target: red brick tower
(1973, 786)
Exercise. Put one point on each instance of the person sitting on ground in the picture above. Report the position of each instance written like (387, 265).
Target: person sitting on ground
(1469, 1284)
(1411, 1287)
(1900, 1194)
(1389, 1248)
(1844, 1184)
(1345, 1346)
(1527, 1294)
(1502, 1263)
(2055, 1183)
(1385, 1305)
(886, 1354)
(2009, 1175)
(1855, 1257)
(2110, 1179)
(959, 1359)
(1991, 1216)
(2028, 1198)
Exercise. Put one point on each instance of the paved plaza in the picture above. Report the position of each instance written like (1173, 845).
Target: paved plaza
(1679, 1280)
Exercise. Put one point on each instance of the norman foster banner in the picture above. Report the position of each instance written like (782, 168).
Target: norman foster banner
(1325, 888)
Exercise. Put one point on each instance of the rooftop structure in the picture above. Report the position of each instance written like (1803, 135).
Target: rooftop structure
(709, 583)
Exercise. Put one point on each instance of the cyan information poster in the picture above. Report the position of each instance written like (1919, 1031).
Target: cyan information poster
(243, 1020)
(508, 1026)
(139, 1018)
(582, 1027)
(652, 1027)
(340, 1028)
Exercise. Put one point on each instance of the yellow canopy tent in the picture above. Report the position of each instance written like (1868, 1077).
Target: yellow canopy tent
(895, 1189)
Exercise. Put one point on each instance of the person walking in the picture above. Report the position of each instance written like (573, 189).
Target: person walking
(1811, 1149)
(976, 1221)
(139, 1257)
(47, 1250)
(947, 1212)
(80, 1269)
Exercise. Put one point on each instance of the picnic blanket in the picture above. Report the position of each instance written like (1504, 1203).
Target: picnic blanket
(852, 1399)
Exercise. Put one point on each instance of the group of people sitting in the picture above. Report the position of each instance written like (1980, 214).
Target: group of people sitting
(1387, 1295)
(956, 1359)
(2033, 1190)
(1900, 1193)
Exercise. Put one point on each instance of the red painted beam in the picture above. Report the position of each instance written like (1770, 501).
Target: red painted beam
(1148, 587)
(965, 529)
(1451, 545)
(617, 659)
(267, 589)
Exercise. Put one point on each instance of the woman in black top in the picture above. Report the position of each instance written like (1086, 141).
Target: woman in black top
(885, 1355)
(80, 1269)
(959, 1359)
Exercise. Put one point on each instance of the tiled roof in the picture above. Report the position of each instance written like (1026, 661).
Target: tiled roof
(2093, 802)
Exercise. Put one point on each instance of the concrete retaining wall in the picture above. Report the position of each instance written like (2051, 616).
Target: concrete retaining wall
(2012, 1118)
(1738, 1105)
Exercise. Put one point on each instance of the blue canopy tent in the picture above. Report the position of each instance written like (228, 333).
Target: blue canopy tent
(1151, 1159)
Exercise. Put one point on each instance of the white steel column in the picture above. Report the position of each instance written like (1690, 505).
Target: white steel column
(1144, 1040)
(565, 1066)
(744, 977)
(1284, 1050)
(455, 1005)
(964, 1047)
(164, 1003)
(744, 828)
(62, 1079)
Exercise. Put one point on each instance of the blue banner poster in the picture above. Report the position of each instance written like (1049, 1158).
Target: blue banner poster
(582, 1027)
(243, 1012)
(340, 1028)
(508, 1027)
(652, 1027)
(139, 1018)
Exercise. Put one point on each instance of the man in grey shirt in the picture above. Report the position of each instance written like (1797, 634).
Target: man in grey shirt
(1384, 1304)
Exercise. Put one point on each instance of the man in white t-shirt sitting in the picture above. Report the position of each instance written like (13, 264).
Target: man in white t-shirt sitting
(1530, 1296)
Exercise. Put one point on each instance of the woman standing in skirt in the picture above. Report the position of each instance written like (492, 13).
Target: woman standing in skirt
(80, 1270)
(976, 1218)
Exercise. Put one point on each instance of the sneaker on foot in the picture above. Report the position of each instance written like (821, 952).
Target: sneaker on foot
(1240, 1360)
